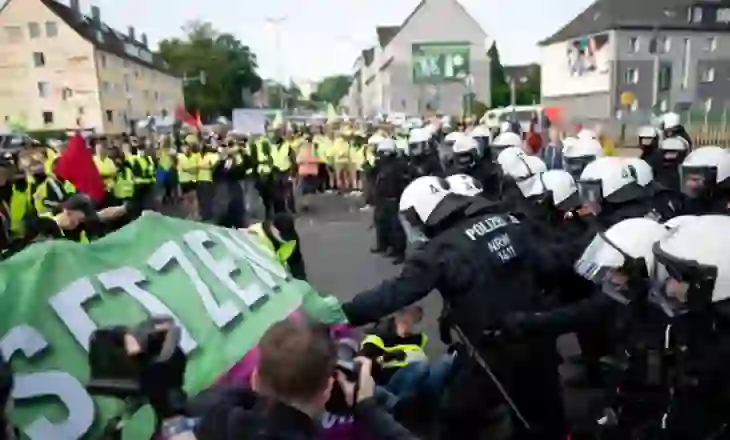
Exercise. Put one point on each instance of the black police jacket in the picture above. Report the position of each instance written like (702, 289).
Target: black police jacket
(485, 266)
(234, 412)
(391, 177)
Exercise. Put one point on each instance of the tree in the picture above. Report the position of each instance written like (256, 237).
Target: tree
(499, 87)
(529, 92)
(279, 95)
(332, 89)
(228, 65)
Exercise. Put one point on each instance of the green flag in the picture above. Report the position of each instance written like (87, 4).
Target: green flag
(222, 287)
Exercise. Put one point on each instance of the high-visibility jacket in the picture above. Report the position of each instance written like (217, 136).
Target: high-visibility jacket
(284, 252)
(187, 167)
(264, 160)
(107, 171)
(124, 183)
(18, 208)
(82, 238)
(413, 352)
(49, 194)
(206, 165)
(281, 157)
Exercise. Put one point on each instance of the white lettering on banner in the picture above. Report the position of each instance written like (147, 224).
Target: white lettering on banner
(329, 420)
(222, 269)
(69, 306)
(484, 227)
(69, 391)
(270, 272)
(127, 279)
(501, 246)
(167, 253)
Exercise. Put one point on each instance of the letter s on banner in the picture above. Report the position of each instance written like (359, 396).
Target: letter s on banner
(72, 394)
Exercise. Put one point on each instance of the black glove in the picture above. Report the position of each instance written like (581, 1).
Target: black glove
(515, 325)
(162, 382)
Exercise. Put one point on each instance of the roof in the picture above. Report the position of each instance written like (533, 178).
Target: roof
(386, 34)
(603, 15)
(107, 39)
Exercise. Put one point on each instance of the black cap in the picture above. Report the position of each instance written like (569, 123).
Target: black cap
(80, 202)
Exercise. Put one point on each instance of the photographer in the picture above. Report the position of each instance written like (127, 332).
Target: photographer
(295, 378)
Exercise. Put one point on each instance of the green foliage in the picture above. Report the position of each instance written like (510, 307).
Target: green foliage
(529, 92)
(281, 96)
(500, 88)
(332, 89)
(229, 68)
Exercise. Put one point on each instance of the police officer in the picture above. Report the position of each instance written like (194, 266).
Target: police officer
(423, 159)
(667, 202)
(577, 155)
(391, 178)
(468, 159)
(705, 181)
(649, 144)
(672, 128)
(673, 151)
(484, 266)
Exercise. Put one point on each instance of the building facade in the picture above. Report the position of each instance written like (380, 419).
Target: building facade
(439, 35)
(60, 68)
(659, 57)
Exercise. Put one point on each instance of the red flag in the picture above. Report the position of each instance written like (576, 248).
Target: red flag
(76, 164)
(185, 117)
(198, 122)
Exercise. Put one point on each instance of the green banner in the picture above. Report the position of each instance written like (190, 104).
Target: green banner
(222, 287)
(440, 62)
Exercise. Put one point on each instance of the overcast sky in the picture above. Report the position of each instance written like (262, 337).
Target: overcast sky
(323, 37)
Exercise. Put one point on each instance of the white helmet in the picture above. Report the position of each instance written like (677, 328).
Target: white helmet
(580, 154)
(419, 135)
(525, 171)
(644, 173)
(508, 139)
(704, 168)
(587, 134)
(674, 144)
(605, 260)
(610, 179)
(692, 265)
(671, 120)
(465, 144)
(426, 202)
(678, 220)
(386, 145)
(375, 139)
(479, 131)
(569, 141)
(562, 189)
(509, 155)
(648, 131)
(464, 184)
(505, 127)
(453, 137)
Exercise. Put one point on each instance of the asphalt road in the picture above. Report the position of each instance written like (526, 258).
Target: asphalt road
(336, 239)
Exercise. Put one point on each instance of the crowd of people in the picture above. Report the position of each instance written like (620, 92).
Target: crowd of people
(524, 243)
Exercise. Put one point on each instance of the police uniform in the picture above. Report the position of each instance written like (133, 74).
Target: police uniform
(485, 267)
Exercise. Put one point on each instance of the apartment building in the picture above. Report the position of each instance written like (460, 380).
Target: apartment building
(434, 61)
(665, 54)
(60, 67)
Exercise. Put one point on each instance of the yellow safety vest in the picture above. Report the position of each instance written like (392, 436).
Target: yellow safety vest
(207, 162)
(50, 185)
(414, 353)
(107, 171)
(281, 157)
(19, 205)
(165, 160)
(124, 184)
(263, 159)
(285, 250)
(83, 238)
(186, 167)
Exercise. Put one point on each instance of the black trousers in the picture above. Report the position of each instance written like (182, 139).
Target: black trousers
(206, 193)
(388, 229)
(266, 186)
(283, 193)
(235, 213)
(473, 405)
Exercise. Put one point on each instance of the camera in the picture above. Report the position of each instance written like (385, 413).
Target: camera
(347, 350)
(119, 355)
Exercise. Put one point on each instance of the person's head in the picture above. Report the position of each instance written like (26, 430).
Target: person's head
(406, 319)
(77, 209)
(554, 134)
(297, 360)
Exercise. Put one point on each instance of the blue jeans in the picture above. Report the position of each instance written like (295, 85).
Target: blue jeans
(417, 377)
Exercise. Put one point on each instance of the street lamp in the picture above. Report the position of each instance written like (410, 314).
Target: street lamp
(275, 23)
(202, 78)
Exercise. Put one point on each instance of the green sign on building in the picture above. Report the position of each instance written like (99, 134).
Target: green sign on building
(440, 62)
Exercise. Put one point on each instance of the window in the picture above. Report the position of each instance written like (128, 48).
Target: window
(146, 94)
(711, 44)
(81, 111)
(106, 87)
(697, 14)
(102, 60)
(34, 30)
(660, 45)
(99, 36)
(631, 76)
(634, 45)
(663, 105)
(686, 62)
(635, 105)
(109, 116)
(157, 96)
(723, 15)
(13, 34)
(51, 29)
(48, 118)
(665, 77)
(42, 89)
(126, 64)
(39, 59)
(708, 75)
(708, 105)
(666, 43)
(67, 93)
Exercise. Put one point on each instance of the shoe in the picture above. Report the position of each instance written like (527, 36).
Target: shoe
(377, 250)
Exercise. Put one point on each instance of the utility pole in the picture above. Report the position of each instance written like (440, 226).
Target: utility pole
(275, 23)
